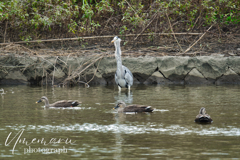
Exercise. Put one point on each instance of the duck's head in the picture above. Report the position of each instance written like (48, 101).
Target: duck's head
(43, 99)
(116, 38)
(120, 105)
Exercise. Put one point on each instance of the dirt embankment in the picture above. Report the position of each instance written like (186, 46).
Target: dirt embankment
(210, 59)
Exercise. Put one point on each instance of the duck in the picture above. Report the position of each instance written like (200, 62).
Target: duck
(63, 103)
(121, 107)
(202, 117)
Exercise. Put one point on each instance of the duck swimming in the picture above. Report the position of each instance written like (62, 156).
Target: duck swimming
(202, 117)
(63, 103)
(121, 107)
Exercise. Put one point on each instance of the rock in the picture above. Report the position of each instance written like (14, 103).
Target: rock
(135, 65)
(174, 68)
(195, 77)
(94, 79)
(107, 68)
(148, 70)
(3, 72)
(157, 78)
(234, 64)
(211, 67)
(59, 75)
(230, 77)
(14, 77)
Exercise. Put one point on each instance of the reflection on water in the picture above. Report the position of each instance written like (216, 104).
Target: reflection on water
(126, 96)
(102, 133)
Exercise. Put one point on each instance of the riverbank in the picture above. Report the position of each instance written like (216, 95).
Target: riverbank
(100, 69)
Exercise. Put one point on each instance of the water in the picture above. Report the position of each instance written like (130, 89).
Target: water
(95, 131)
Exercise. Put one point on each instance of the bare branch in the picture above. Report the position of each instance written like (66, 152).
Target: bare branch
(174, 33)
(197, 40)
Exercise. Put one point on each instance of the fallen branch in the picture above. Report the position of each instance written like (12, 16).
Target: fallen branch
(29, 50)
(5, 32)
(196, 41)
(49, 63)
(94, 37)
(84, 83)
(196, 20)
(77, 72)
(94, 72)
(17, 47)
(105, 25)
(132, 8)
(54, 71)
(147, 25)
(173, 33)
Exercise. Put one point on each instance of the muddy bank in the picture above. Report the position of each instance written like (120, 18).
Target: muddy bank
(148, 70)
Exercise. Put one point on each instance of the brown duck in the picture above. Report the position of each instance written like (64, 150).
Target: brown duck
(121, 107)
(202, 117)
(63, 103)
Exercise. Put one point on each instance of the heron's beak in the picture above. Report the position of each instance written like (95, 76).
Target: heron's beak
(112, 41)
(39, 101)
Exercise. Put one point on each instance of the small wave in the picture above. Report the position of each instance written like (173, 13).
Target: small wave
(63, 108)
(160, 110)
(133, 129)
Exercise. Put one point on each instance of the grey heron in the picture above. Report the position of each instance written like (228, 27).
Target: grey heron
(123, 76)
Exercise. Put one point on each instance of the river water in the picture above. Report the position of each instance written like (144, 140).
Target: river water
(93, 130)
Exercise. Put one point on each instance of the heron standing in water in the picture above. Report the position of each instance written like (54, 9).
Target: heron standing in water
(123, 76)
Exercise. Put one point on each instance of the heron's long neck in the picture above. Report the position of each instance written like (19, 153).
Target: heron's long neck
(118, 59)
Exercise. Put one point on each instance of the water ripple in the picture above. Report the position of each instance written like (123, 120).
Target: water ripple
(133, 129)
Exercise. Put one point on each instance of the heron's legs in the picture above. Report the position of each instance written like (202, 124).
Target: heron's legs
(129, 89)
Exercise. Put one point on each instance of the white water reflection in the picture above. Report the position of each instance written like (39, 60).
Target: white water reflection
(67, 108)
(127, 97)
(133, 129)
(2, 90)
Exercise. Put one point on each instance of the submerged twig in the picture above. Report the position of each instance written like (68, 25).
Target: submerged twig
(86, 84)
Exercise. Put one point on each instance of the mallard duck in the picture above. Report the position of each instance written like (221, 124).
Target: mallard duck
(202, 117)
(121, 107)
(63, 103)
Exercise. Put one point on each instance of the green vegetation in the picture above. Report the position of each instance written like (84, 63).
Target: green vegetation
(29, 19)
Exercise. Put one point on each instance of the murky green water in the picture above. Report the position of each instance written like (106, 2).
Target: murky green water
(95, 131)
